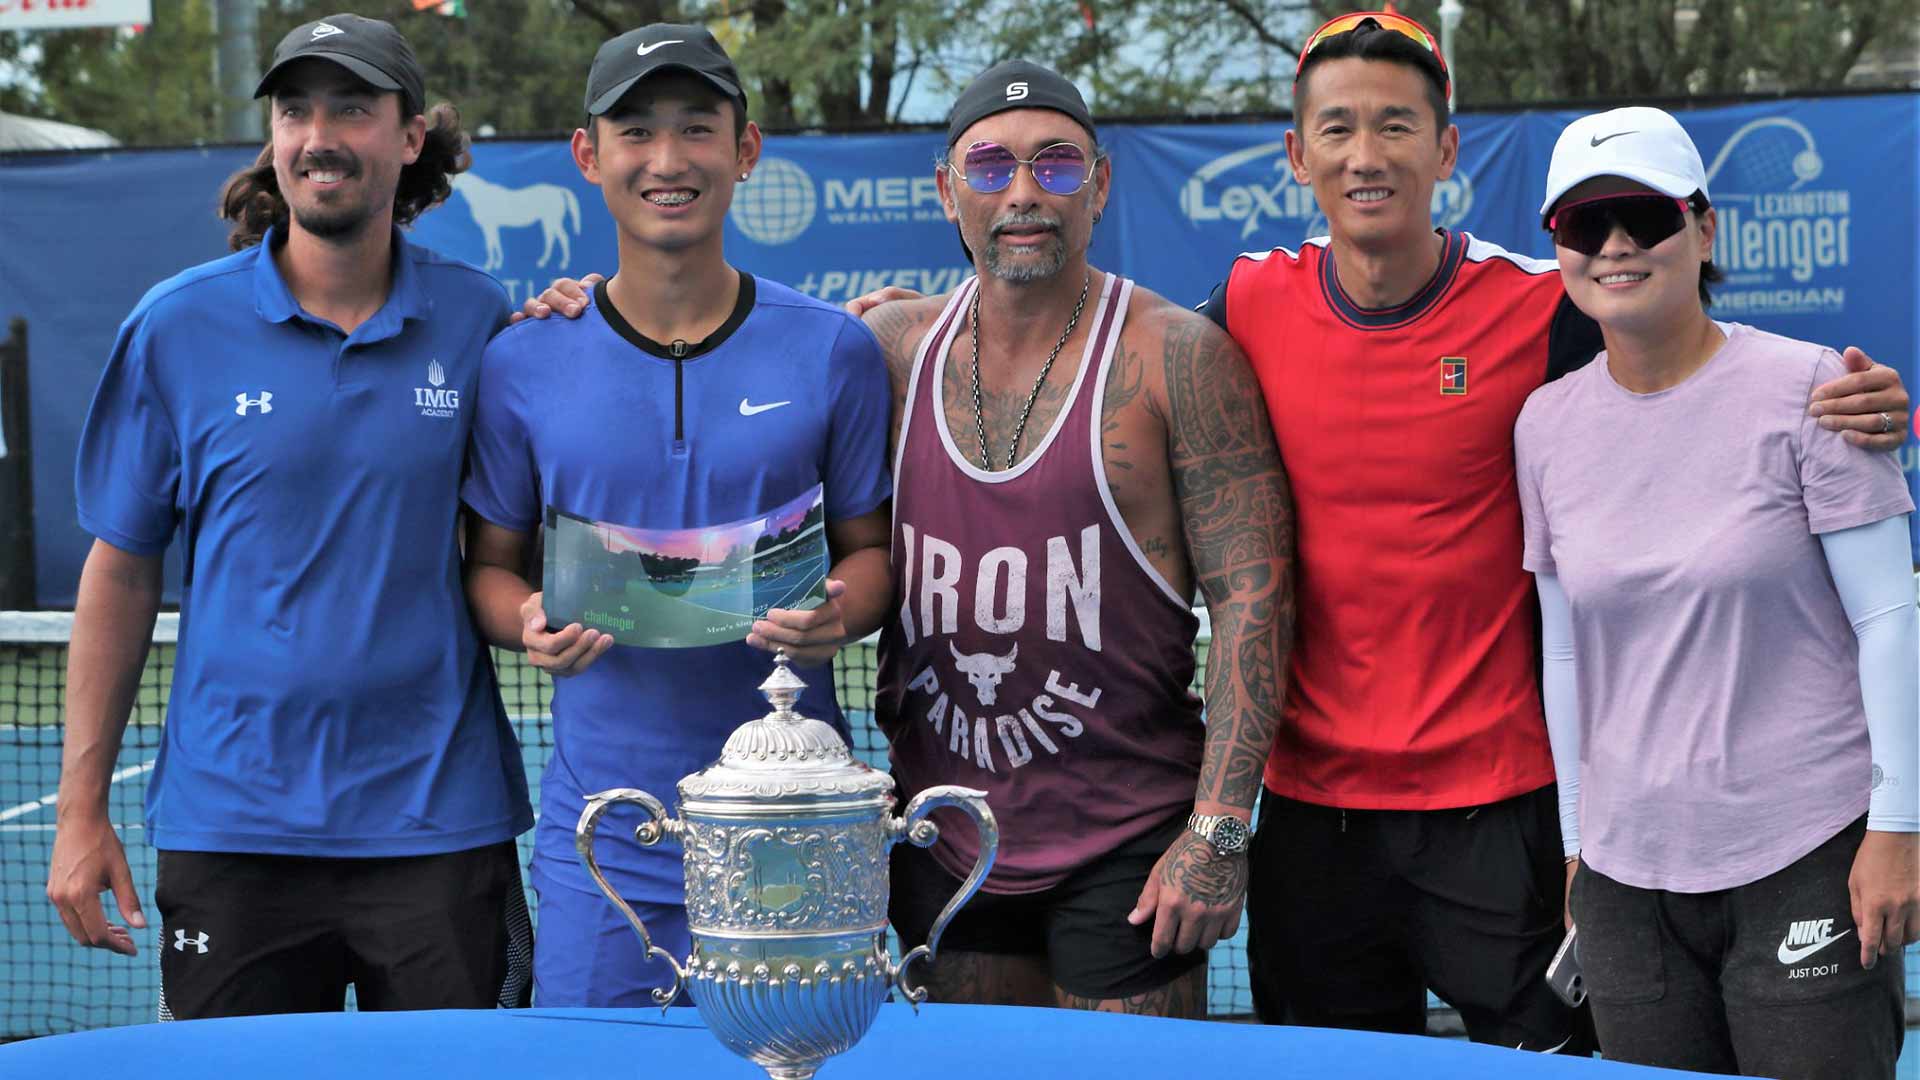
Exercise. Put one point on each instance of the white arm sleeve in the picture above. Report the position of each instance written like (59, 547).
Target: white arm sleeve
(1872, 569)
(1558, 695)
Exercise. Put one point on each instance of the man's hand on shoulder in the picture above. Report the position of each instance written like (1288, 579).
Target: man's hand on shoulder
(860, 305)
(1868, 405)
(565, 296)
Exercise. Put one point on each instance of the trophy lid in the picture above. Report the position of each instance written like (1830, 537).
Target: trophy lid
(785, 755)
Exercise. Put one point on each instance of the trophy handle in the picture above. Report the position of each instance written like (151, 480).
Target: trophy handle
(912, 825)
(649, 832)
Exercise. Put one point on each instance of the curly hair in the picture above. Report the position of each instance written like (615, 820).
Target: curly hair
(251, 197)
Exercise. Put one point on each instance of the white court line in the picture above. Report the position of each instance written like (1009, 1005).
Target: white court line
(52, 797)
(122, 826)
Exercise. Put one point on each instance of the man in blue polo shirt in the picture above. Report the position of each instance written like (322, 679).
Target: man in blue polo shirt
(338, 787)
(689, 394)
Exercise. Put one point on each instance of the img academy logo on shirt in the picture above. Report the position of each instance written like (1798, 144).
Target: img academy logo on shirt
(434, 400)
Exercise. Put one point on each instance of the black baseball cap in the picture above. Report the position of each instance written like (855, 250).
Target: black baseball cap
(1016, 84)
(624, 61)
(371, 49)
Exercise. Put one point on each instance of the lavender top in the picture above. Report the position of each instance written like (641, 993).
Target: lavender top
(1722, 731)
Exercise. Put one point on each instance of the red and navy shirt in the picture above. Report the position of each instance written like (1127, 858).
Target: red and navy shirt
(1414, 681)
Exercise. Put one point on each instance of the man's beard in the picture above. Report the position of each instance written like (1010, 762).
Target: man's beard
(333, 222)
(1053, 256)
(343, 216)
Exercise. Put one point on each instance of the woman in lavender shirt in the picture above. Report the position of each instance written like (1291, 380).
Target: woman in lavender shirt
(1730, 640)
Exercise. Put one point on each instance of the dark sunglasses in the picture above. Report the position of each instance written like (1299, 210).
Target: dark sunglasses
(1060, 169)
(1648, 219)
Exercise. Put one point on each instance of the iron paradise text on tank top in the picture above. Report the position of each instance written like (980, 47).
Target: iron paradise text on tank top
(1035, 653)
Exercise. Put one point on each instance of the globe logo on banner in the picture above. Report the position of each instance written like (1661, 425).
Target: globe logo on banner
(777, 205)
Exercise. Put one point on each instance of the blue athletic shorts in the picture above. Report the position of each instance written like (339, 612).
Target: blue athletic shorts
(586, 955)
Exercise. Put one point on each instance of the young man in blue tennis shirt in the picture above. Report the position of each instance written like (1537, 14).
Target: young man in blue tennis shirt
(338, 789)
(689, 394)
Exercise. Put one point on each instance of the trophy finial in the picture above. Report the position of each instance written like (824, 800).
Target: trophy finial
(783, 687)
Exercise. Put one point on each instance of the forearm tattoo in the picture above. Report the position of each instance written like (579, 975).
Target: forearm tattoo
(1238, 517)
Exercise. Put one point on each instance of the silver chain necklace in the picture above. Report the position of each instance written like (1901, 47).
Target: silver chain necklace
(979, 413)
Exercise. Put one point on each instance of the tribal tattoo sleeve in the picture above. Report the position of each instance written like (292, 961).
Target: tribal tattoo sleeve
(1237, 514)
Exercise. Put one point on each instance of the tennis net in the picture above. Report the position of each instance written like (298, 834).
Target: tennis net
(48, 984)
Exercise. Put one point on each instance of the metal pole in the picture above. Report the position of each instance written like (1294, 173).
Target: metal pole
(17, 589)
(237, 68)
(1450, 12)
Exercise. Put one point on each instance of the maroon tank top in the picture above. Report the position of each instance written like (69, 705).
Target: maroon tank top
(1035, 654)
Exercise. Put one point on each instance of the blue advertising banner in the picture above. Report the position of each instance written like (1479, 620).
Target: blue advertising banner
(1819, 232)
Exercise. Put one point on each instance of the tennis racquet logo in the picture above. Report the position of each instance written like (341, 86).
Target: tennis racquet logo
(181, 941)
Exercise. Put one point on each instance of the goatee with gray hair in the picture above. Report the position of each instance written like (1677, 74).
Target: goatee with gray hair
(1052, 259)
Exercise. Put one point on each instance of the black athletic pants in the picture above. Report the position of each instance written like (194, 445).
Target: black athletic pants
(1354, 914)
(248, 934)
(1763, 979)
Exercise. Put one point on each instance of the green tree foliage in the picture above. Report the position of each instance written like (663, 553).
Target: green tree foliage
(149, 87)
(519, 66)
(1562, 50)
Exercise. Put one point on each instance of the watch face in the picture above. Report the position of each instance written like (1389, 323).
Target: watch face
(1230, 836)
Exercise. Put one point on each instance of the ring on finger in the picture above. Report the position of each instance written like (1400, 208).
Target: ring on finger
(1886, 424)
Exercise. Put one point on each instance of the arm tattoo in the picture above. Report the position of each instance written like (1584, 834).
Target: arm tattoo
(1237, 514)
(899, 327)
(1123, 385)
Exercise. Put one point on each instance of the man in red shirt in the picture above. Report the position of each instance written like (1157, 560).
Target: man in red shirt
(1408, 836)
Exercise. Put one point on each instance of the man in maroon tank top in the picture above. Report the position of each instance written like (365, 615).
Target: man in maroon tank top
(1074, 457)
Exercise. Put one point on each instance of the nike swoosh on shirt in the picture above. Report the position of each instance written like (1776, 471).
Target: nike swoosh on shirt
(645, 49)
(755, 410)
(1794, 956)
(1598, 139)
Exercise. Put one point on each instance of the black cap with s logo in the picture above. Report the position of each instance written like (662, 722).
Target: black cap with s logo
(1016, 84)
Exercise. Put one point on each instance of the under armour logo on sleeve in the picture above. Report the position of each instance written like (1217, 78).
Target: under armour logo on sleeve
(264, 402)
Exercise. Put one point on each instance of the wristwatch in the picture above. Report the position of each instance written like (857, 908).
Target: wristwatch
(1227, 834)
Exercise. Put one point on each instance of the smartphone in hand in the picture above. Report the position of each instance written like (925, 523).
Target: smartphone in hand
(1564, 975)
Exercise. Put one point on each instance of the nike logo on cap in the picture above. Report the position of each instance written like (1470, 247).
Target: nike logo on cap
(1598, 139)
(325, 30)
(645, 49)
(755, 410)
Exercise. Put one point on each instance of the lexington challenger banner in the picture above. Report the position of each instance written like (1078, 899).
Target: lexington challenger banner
(1819, 233)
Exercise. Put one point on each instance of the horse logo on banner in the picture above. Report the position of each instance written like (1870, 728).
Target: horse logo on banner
(494, 207)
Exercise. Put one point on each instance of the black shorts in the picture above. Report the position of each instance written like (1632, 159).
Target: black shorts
(1763, 979)
(1080, 925)
(244, 934)
(1354, 914)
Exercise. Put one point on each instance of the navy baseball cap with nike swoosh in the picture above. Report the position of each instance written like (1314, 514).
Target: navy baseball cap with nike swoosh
(371, 49)
(623, 61)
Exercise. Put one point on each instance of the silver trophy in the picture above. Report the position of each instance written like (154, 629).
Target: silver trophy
(786, 841)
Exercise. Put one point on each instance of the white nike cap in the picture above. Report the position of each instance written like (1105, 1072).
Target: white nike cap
(1638, 142)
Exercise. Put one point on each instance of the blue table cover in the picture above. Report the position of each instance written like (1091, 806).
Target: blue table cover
(970, 1041)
